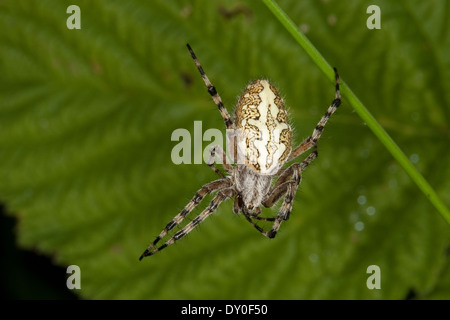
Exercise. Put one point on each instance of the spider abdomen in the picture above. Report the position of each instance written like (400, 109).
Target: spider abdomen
(263, 131)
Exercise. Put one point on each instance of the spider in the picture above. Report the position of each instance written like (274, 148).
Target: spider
(263, 137)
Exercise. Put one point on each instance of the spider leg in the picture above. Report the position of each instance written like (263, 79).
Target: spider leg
(237, 204)
(292, 172)
(277, 193)
(288, 188)
(206, 189)
(265, 218)
(212, 91)
(216, 201)
(218, 149)
(285, 174)
(238, 207)
(312, 140)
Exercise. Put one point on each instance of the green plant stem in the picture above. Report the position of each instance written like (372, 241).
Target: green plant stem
(362, 111)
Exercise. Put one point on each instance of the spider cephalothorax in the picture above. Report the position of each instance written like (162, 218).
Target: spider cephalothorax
(261, 142)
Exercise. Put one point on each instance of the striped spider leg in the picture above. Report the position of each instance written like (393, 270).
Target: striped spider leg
(224, 191)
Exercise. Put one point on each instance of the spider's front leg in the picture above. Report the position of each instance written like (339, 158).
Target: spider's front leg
(222, 195)
(206, 189)
(287, 185)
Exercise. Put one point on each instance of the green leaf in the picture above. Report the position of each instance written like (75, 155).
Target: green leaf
(87, 115)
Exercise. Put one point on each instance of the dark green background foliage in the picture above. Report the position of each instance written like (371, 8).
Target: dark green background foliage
(86, 118)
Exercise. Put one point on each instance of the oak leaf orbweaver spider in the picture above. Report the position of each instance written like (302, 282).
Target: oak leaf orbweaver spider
(263, 137)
